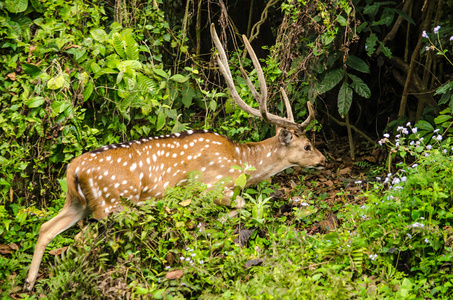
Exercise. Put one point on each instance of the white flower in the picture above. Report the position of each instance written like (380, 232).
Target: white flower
(426, 48)
(408, 124)
(373, 256)
(386, 135)
(427, 241)
(439, 138)
(429, 147)
(304, 204)
(451, 38)
(444, 151)
(396, 180)
(436, 29)
(426, 154)
(358, 182)
(414, 130)
(409, 235)
(403, 179)
(424, 34)
(414, 165)
(436, 130)
(399, 128)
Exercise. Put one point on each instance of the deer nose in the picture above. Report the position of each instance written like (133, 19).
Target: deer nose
(322, 163)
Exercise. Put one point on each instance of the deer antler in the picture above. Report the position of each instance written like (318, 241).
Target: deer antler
(260, 98)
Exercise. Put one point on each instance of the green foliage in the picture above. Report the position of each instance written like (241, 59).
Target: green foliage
(77, 81)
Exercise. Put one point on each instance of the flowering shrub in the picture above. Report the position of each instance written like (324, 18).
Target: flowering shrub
(410, 212)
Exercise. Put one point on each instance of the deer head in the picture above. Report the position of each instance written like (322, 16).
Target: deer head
(143, 169)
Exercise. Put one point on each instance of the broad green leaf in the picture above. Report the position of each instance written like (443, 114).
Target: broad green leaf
(38, 6)
(241, 181)
(59, 106)
(344, 99)
(442, 119)
(370, 44)
(357, 64)
(445, 98)
(342, 20)
(89, 88)
(160, 120)
(118, 44)
(119, 77)
(56, 82)
(213, 105)
(188, 94)
(161, 73)
(359, 86)
(35, 102)
(331, 80)
(126, 102)
(16, 6)
(179, 78)
(95, 68)
(385, 50)
(424, 125)
(444, 88)
(32, 70)
(99, 34)
(77, 52)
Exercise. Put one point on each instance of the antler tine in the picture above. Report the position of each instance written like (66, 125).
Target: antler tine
(225, 70)
(262, 99)
(311, 116)
(289, 111)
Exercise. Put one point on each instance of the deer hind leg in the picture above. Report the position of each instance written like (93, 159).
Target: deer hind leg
(71, 213)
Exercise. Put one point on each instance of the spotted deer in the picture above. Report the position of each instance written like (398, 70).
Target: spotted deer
(141, 170)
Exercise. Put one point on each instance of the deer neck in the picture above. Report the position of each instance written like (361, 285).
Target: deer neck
(267, 157)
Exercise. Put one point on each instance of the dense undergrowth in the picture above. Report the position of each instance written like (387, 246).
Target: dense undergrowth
(396, 243)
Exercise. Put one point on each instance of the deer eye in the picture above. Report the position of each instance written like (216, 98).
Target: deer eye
(307, 147)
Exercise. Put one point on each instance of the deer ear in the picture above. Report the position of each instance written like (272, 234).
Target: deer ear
(285, 137)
